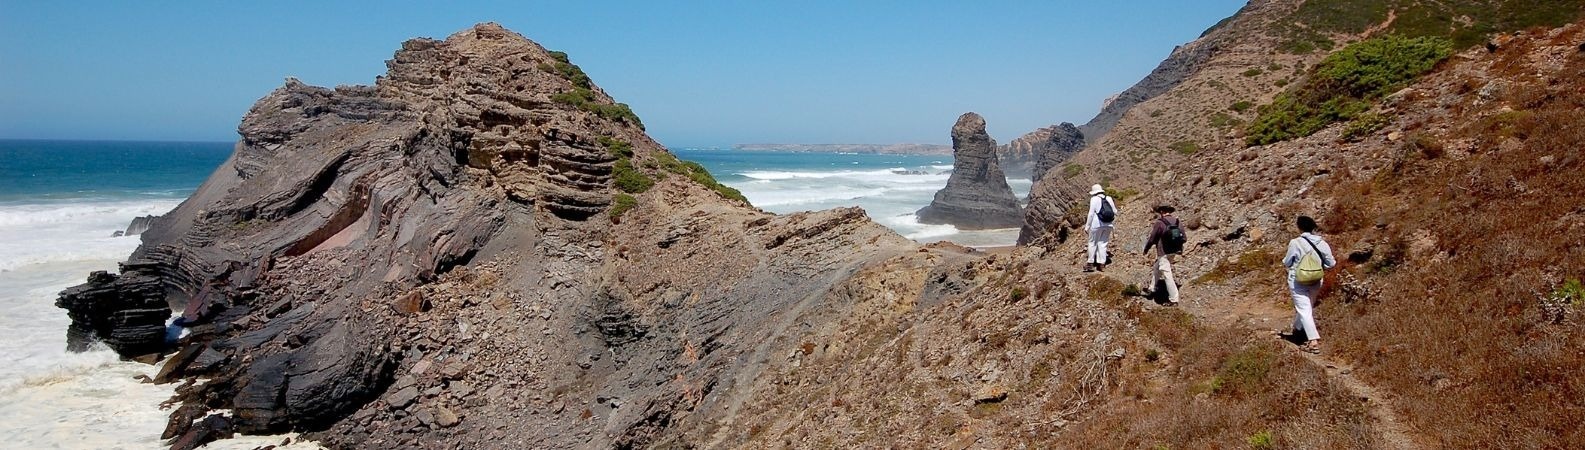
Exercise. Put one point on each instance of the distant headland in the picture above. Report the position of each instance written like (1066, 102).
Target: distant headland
(876, 149)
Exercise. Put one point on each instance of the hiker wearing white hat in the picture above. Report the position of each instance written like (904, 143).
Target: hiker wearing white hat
(1098, 224)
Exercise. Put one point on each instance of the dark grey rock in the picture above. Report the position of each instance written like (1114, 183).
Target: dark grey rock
(976, 196)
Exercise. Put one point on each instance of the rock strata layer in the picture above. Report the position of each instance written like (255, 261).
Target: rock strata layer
(976, 196)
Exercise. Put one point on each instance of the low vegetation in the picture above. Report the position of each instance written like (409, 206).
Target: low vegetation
(1185, 147)
(1345, 85)
(621, 204)
(1223, 120)
(1254, 260)
(582, 94)
(1315, 24)
(1364, 125)
(632, 180)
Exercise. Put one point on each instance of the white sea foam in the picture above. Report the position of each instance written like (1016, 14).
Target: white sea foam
(891, 195)
(50, 398)
(64, 232)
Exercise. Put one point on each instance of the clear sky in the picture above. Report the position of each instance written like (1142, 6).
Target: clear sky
(698, 73)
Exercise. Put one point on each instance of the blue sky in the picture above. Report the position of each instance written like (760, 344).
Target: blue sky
(698, 73)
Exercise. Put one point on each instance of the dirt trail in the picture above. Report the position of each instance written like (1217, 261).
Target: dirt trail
(1267, 311)
(1267, 315)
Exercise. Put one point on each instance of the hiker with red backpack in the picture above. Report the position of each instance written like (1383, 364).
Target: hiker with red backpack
(1168, 237)
(1307, 260)
(1098, 225)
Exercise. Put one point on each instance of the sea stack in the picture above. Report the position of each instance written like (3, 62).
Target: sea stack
(976, 196)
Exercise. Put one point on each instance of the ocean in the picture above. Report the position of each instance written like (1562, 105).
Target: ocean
(61, 203)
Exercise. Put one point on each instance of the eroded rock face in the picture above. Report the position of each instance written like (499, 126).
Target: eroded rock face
(977, 196)
(1041, 150)
(432, 262)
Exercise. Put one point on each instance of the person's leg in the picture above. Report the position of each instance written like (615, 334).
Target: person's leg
(1164, 268)
(1103, 235)
(1305, 314)
(1089, 248)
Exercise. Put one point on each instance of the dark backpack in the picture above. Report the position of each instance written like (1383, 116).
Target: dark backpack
(1175, 238)
(1107, 214)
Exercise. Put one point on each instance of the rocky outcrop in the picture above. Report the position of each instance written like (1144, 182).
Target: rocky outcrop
(1037, 152)
(434, 261)
(138, 226)
(976, 196)
(1060, 208)
(127, 313)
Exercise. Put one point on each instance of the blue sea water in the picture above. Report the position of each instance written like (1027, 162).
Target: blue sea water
(62, 201)
(890, 188)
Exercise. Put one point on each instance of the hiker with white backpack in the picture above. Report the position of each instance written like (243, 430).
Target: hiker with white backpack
(1307, 260)
(1098, 225)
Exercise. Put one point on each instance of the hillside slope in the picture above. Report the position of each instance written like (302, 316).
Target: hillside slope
(1458, 311)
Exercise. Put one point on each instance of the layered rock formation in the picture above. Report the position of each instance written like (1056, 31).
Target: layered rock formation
(480, 250)
(1037, 152)
(976, 196)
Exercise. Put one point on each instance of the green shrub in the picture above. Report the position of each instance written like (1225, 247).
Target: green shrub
(1072, 170)
(1428, 146)
(1364, 125)
(1345, 84)
(1185, 147)
(1263, 440)
(1120, 195)
(1244, 371)
(1571, 292)
(567, 70)
(582, 94)
(1255, 72)
(629, 179)
(1281, 83)
(620, 204)
(1223, 120)
(618, 148)
(1241, 106)
(1018, 293)
(698, 174)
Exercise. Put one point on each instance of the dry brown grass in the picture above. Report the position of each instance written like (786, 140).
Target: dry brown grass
(1459, 336)
(1225, 388)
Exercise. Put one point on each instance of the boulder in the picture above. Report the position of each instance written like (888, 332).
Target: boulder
(976, 196)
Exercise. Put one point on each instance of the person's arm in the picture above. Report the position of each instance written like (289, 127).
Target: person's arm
(1292, 257)
(1090, 217)
(1156, 229)
(1327, 259)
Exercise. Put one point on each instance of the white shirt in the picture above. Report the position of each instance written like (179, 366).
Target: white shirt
(1297, 248)
(1094, 220)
